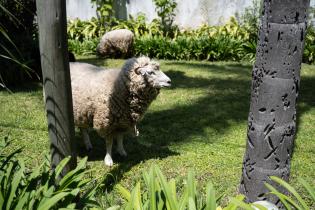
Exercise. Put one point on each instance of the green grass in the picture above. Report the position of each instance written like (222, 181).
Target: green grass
(200, 123)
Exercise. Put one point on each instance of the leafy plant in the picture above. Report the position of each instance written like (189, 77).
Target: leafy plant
(309, 47)
(17, 55)
(85, 47)
(104, 10)
(41, 188)
(294, 200)
(160, 193)
(166, 11)
(139, 26)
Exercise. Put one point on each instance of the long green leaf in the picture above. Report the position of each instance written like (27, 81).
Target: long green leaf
(136, 197)
(114, 208)
(152, 190)
(21, 64)
(123, 192)
(50, 202)
(15, 183)
(4, 33)
(308, 187)
(61, 166)
(211, 199)
(22, 201)
(184, 200)
(166, 189)
(233, 206)
(10, 14)
(291, 190)
(242, 204)
(191, 185)
(283, 198)
(191, 204)
(72, 175)
(9, 157)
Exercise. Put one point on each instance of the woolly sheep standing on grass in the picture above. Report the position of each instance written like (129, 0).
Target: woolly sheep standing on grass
(113, 101)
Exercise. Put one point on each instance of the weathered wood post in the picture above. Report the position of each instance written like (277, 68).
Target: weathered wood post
(275, 87)
(56, 79)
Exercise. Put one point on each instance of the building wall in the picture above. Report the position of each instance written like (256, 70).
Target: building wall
(189, 13)
(82, 9)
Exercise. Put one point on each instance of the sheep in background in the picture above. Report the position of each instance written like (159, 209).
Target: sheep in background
(113, 101)
(117, 43)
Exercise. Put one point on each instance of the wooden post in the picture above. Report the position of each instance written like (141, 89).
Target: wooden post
(56, 79)
(275, 88)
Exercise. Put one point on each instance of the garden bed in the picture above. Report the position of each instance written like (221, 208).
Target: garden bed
(199, 123)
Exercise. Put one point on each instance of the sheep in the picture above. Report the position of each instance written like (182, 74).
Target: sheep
(111, 101)
(116, 43)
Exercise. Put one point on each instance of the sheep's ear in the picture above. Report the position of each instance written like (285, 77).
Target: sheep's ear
(141, 71)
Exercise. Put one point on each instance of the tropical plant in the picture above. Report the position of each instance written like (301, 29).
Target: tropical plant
(105, 11)
(43, 188)
(232, 41)
(84, 30)
(85, 47)
(309, 48)
(139, 26)
(162, 194)
(17, 55)
(294, 200)
(166, 11)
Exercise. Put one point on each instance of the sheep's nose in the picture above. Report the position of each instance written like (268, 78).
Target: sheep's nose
(169, 82)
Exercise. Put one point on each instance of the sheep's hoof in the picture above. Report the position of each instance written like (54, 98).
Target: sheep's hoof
(108, 160)
(122, 153)
(89, 149)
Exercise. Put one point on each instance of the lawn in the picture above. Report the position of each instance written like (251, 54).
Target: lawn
(199, 123)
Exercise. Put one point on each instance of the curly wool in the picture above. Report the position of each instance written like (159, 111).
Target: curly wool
(111, 101)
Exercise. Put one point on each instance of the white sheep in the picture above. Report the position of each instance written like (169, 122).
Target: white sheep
(113, 101)
(116, 43)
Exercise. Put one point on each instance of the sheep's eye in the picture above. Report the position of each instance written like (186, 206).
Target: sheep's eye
(151, 72)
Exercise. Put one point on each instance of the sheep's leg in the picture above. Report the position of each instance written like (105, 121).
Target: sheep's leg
(86, 139)
(120, 145)
(108, 158)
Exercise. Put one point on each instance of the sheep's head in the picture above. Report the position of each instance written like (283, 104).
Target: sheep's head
(150, 71)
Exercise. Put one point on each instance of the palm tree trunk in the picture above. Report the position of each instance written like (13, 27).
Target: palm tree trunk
(52, 24)
(275, 87)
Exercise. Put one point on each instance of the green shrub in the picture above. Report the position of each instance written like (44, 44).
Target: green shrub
(139, 26)
(41, 188)
(159, 193)
(233, 41)
(44, 189)
(206, 43)
(309, 47)
(19, 51)
(85, 47)
(294, 200)
(165, 9)
(84, 30)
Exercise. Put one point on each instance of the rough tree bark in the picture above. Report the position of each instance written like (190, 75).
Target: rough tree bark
(56, 79)
(275, 87)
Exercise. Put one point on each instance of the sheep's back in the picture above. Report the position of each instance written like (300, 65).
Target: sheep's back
(91, 87)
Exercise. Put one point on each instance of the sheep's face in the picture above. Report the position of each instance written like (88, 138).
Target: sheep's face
(154, 76)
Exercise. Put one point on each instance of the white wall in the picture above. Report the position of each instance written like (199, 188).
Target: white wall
(189, 13)
(82, 9)
(192, 13)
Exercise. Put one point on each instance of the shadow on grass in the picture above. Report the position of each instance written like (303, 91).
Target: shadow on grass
(224, 103)
(137, 153)
(231, 68)
(24, 87)
(306, 99)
